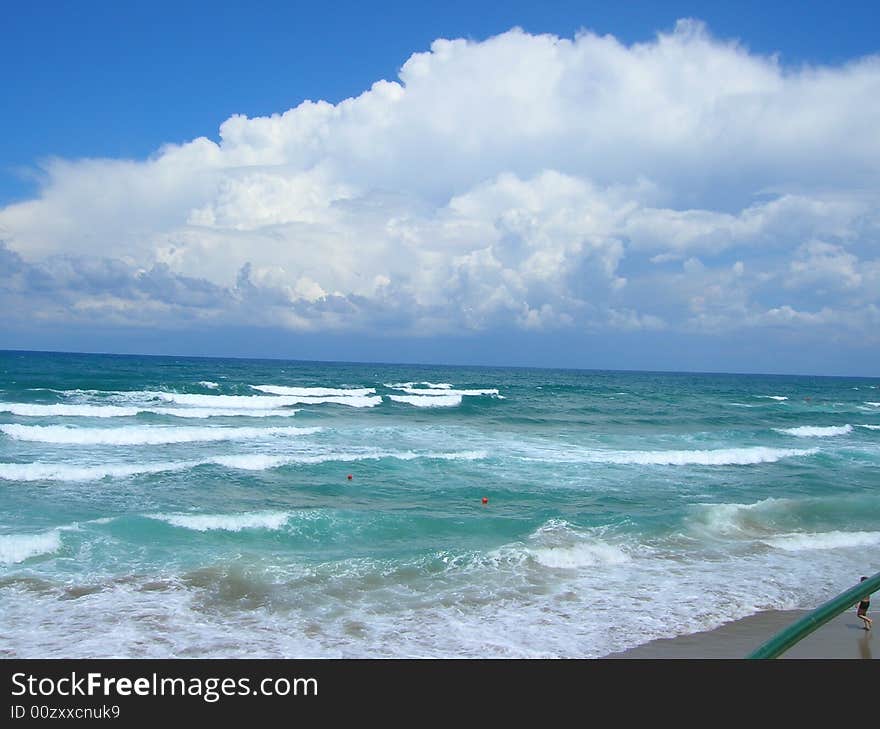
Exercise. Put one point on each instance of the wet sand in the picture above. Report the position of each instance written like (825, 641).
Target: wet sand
(841, 637)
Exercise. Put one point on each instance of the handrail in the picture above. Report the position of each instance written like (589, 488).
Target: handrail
(800, 629)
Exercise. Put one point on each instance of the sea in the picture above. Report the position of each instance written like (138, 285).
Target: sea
(176, 507)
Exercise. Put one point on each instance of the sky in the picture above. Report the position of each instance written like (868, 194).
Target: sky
(655, 186)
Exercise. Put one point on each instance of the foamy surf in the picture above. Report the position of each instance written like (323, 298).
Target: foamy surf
(16, 548)
(61, 410)
(823, 540)
(738, 520)
(813, 431)
(446, 392)
(28, 472)
(429, 385)
(720, 457)
(67, 472)
(270, 520)
(558, 545)
(579, 555)
(428, 401)
(262, 402)
(315, 392)
(118, 411)
(143, 434)
(203, 413)
(778, 398)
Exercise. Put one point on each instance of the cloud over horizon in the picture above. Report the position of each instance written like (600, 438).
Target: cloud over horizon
(529, 181)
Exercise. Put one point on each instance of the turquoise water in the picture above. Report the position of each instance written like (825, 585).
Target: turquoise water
(202, 507)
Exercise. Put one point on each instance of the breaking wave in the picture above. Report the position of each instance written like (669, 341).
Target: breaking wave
(810, 431)
(19, 547)
(271, 520)
(142, 435)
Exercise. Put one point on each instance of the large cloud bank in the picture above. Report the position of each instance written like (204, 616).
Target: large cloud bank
(525, 180)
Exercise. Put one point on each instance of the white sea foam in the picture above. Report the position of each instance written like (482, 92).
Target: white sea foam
(870, 427)
(811, 431)
(428, 401)
(557, 544)
(35, 410)
(220, 413)
(313, 392)
(778, 398)
(19, 547)
(431, 385)
(446, 392)
(802, 542)
(142, 434)
(366, 401)
(720, 457)
(65, 472)
(210, 385)
(374, 455)
(117, 411)
(271, 520)
(262, 402)
(737, 520)
(233, 402)
(587, 554)
(246, 462)
(873, 404)
(251, 462)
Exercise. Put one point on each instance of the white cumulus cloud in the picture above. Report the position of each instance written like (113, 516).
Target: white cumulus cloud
(524, 180)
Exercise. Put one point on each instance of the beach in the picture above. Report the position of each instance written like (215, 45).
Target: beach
(843, 637)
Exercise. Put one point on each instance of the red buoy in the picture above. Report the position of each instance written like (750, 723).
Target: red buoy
(349, 477)
(485, 500)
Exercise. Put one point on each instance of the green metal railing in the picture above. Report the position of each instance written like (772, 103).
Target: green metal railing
(800, 629)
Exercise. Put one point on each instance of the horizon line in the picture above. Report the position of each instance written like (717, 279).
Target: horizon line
(434, 364)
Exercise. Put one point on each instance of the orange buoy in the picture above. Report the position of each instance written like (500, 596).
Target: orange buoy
(485, 500)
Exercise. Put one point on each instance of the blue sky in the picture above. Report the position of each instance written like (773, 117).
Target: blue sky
(609, 186)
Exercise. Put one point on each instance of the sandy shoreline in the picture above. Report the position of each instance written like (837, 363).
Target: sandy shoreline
(841, 637)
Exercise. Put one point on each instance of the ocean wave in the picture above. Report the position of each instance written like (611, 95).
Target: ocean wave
(778, 398)
(873, 404)
(446, 392)
(739, 520)
(428, 401)
(811, 431)
(65, 472)
(252, 462)
(270, 520)
(802, 542)
(431, 385)
(142, 434)
(579, 555)
(210, 385)
(16, 548)
(220, 413)
(558, 545)
(34, 410)
(720, 457)
(262, 402)
(312, 392)
(246, 462)
(118, 411)
(869, 427)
